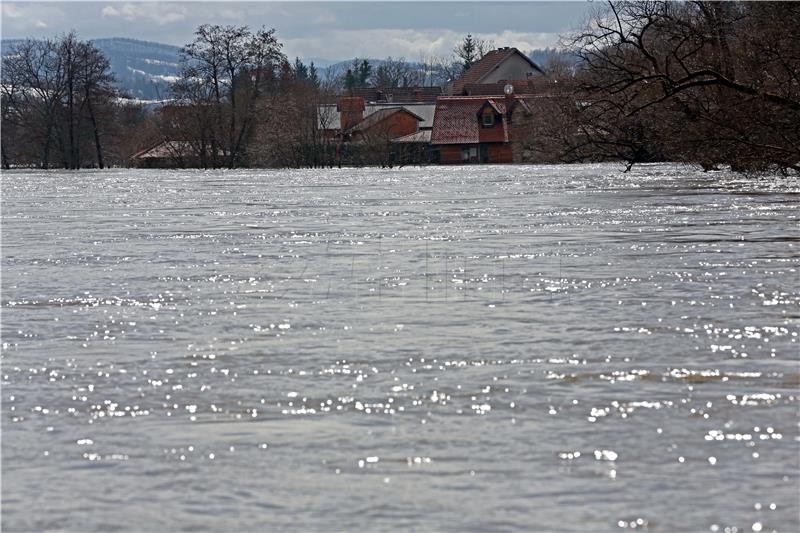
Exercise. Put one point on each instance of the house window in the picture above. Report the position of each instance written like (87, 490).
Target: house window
(488, 118)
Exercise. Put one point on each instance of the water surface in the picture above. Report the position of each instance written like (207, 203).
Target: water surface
(504, 348)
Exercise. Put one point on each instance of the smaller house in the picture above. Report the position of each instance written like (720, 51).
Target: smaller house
(170, 154)
(384, 125)
(473, 129)
(167, 154)
(510, 128)
(338, 121)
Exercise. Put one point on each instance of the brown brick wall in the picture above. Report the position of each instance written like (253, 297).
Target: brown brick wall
(400, 124)
(499, 153)
(450, 154)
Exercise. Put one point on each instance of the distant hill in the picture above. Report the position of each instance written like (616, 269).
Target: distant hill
(143, 69)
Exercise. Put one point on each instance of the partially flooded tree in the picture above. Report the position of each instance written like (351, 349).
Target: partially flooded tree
(94, 87)
(52, 91)
(710, 83)
(39, 68)
(228, 68)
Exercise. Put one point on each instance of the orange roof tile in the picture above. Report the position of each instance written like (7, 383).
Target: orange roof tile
(456, 120)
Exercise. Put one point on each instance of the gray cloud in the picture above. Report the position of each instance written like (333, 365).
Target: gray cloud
(332, 30)
(159, 13)
(408, 43)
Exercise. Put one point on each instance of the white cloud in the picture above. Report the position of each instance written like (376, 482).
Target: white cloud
(409, 43)
(30, 19)
(12, 11)
(110, 11)
(157, 12)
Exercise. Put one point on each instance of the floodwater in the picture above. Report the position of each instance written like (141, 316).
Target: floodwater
(480, 348)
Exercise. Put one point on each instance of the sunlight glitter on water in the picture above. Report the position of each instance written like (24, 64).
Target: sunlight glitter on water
(487, 346)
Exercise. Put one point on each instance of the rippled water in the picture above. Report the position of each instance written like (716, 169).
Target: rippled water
(559, 348)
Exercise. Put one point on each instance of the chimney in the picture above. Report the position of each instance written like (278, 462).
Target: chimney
(417, 94)
(351, 111)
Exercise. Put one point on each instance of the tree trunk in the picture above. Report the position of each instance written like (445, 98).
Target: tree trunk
(6, 164)
(46, 149)
(71, 110)
(96, 132)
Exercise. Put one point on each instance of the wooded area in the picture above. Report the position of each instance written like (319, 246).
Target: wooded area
(697, 82)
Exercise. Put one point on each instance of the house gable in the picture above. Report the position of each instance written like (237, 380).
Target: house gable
(386, 123)
(514, 67)
(497, 65)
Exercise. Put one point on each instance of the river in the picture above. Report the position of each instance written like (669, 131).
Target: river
(482, 348)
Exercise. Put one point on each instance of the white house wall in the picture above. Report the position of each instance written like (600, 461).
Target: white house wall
(513, 68)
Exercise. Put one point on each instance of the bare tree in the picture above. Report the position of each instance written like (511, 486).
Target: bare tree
(40, 68)
(231, 66)
(11, 99)
(96, 83)
(663, 77)
(51, 89)
(394, 73)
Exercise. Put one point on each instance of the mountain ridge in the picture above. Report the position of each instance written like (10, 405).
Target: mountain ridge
(146, 69)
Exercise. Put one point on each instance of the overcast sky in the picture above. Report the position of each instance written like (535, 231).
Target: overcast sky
(332, 30)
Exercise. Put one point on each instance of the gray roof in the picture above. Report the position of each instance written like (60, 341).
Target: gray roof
(328, 116)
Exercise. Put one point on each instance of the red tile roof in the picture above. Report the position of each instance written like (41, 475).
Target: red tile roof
(456, 120)
(487, 64)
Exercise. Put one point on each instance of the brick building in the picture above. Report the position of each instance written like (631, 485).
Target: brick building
(472, 129)
(498, 129)
(501, 110)
(353, 119)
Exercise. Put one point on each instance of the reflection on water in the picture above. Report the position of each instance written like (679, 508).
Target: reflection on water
(438, 348)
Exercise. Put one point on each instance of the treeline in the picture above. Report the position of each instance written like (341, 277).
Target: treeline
(60, 106)
(238, 102)
(708, 83)
(429, 70)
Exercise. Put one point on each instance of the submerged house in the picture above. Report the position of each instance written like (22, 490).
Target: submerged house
(497, 129)
(498, 111)
(167, 154)
(353, 120)
(175, 154)
(473, 129)
(384, 124)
